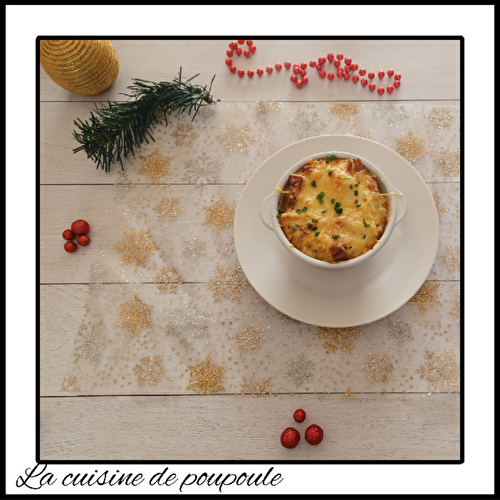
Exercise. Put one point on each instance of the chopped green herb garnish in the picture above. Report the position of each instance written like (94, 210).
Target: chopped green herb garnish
(335, 236)
(281, 211)
(313, 184)
(299, 210)
(339, 210)
(329, 158)
(337, 205)
(314, 220)
(294, 226)
(366, 225)
(330, 172)
(304, 209)
(323, 211)
(317, 234)
(346, 178)
(350, 185)
(333, 201)
(355, 192)
(278, 216)
(313, 228)
(357, 184)
(358, 205)
(320, 196)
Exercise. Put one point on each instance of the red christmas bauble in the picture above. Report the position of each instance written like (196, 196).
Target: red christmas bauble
(70, 246)
(290, 438)
(80, 226)
(299, 415)
(83, 240)
(314, 434)
(68, 235)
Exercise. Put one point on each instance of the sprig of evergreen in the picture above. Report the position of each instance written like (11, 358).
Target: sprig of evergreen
(115, 130)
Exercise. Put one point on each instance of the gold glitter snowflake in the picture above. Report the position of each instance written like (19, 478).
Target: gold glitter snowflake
(184, 135)
(155, 165)
(378, 367)
(389, 113)
(441, 208)
(411, 147)
(249, 338)
(219, 215)
(400, 331)
(227, 283)
(451, 257)
(168, 279)
(134, 246)
(70, 384)
(149, 370)
(135, 315)
(236, 138)
(338, 338)
(206, 377)
(455, 311)
(89, 342)
(299, 369)
(194, 248)
(441, 117)
(441, 371)
(252, 387)
(345, 111)
(449, 161)
(168, 208)
(349, 394)
(263, 106)
(426, 297)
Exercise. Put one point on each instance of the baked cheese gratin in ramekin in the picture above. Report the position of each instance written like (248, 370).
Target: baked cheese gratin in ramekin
(333, 209)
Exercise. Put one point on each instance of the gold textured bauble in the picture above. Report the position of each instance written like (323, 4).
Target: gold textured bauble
(84, 67)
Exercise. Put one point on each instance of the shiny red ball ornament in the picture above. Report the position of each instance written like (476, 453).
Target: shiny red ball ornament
(322, 60)
(241, 42)
(68, 235)
(362, 71)
(331, 76)
(397, 83)
(303, 65)
(302, 72)
(278, 67)
(233, 45)
(322, 74)
(70, 246)
(269, 69)
(293, 78)
(397, 76)
(246, 53)
(372, 86)
(371, 75)
(390, 72)
(250, 73)
(229, 53)
(239, 51)
(354, 67)
(347, 68)
(390, 89)
(83, 240)
(336, 63)
(381, 90)
(381, 74)
(249, 43)
(299, 84)
(260, 71)
(319, 67)
(290, 437)
(232, 69)
(348, 60)
(229, 62)
(287, 65)
(296, 69)
(241, 73)
(305, 80)
(80, 226)
(312, 64)
(299, 415)
(330, 57)
(346, 76)
(355, 78)
(340, 56)
(253, 48)
(364, 82)
(314, 434)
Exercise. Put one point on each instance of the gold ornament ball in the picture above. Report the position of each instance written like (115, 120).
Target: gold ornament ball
(84, 67)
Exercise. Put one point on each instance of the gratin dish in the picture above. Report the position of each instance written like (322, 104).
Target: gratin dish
(396, 209)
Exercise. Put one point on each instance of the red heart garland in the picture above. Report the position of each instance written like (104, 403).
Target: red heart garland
(300, 70)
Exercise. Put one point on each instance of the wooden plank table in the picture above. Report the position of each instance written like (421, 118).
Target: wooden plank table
(392, 394)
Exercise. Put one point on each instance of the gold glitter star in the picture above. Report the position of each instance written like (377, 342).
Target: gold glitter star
(149, 370)
(134, 246)
(249, 338)
(184, 135)
(89, 342)
(338, 338)
(345, 111)
(168, 208)
(227, 283)
(251, 387)
(236, 138)
(411, 147)
(378, 367)
(135, 315)
(449, 161)
(69, 384)
(441, 371)
(155, 165)
(206, 377)
(349, 394)
(219, 215)
(168, 279)
(426, 297)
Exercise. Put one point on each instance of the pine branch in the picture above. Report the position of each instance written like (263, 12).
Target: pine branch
(115, 130)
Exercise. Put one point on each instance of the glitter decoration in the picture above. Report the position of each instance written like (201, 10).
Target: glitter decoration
(349, 394)
(308, 124)
(135, 315)
(338, 338)
(168, 208)
(96, 277)
(236, 138)
(449, 161)
(122, 185)
(440, 371)
(441, 208)
(184, 135)
(149, 370)
(451, 257)
(455, 311)
(155, 165)
(219, 215)
(441, 117)
(345, 111)
(426, 297)
(188, 324)
(251, 387)
(299, 369)
(168, 279)
(194, 248)
(400, 331)
(202, 170)
(378, 367)
(411, 147)
(89, 342)
(389, 113)
(286, 319)
(70, 384)
(263, 106)
(249, 338)
(206, 377)
(134, 246)
(227, 283)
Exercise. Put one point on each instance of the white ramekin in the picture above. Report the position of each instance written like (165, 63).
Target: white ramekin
(397, 211)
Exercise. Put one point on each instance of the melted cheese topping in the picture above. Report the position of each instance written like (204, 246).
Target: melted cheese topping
(336, 213)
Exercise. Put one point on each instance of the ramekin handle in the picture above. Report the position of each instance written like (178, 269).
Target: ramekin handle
(401, 208)
(266, 211)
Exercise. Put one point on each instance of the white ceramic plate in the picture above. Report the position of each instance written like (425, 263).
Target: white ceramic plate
(342, 297)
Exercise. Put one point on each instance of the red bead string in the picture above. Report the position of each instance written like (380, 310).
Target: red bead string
(299, 71)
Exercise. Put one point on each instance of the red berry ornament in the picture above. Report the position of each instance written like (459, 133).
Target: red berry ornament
(322, 60)
(390, 89)
(229, 62)
(229, 53)
(246, 53)
(80, 226)
(397, 76)
(287, 65)
(290, 438)
(362, 72)
(314, 434)
(355, 78)
(83, 240)
(397, 83)
(336, 63)
(390, 72)
(238, 51)
(269, 69)
(312, 64)
(249, 43)
(340, 56)
(331, 76)
(372, 86)
(260, 71)
(381, 74)
(348, 60)
(299, 415)
(330, 57)
(303, 65)
(241, 42)
(70, 246)
(232, 69)
(322, 74)
(253, 48)
(364, 82)
(241, 73)
(381, 90)
(371, 75)
(278, 67)
(68, 235)
(293, 78)
(250, 73)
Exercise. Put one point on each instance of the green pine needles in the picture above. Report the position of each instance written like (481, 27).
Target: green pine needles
(115, 130)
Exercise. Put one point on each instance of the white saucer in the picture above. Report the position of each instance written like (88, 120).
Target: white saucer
(344, 297)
